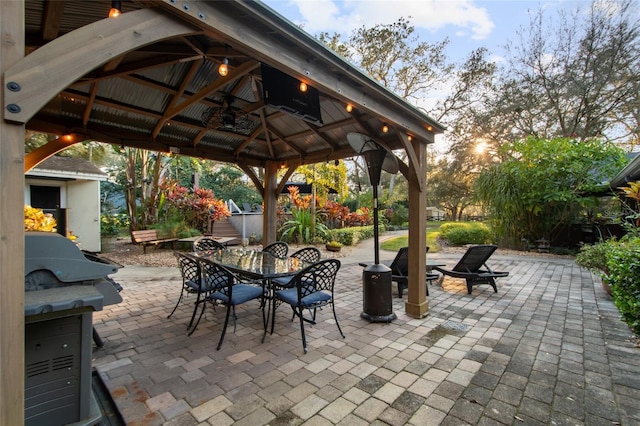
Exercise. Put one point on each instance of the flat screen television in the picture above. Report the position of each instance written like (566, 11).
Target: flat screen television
(281, 91)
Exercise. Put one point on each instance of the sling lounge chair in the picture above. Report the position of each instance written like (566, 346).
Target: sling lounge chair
(470, 267)
(400, 270)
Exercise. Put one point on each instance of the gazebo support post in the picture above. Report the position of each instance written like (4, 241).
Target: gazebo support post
(270, 197)
(417, 305)
(11, 234)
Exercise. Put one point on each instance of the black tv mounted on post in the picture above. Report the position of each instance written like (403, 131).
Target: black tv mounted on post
(281, 91)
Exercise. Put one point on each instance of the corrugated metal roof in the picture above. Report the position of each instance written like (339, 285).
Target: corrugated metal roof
(154, 97)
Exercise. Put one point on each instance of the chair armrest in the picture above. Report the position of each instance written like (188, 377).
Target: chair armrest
(455, 274)
(490, 273)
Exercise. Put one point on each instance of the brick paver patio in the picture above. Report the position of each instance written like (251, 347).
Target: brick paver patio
(548, 348)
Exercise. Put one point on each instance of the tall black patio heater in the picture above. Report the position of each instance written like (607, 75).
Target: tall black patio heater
(376, 278)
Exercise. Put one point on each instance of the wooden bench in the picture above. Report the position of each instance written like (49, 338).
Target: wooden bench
(149, 237)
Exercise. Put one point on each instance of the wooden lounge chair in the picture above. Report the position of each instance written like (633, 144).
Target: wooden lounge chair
(470, 267)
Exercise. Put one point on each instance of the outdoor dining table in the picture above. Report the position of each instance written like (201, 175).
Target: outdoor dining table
(256, 265)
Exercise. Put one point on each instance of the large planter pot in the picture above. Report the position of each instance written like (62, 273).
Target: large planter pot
(108, 243)
(332, 248)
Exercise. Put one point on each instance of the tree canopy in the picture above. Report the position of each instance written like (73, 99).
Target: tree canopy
(542, 183)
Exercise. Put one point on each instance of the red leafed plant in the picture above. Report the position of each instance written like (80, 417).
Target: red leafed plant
(198, 207)
(335, 213)
(360, 217)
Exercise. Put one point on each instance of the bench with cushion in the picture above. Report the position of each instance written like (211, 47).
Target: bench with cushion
(149, 237)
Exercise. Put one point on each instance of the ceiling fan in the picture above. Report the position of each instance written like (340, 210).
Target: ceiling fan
(226, 117)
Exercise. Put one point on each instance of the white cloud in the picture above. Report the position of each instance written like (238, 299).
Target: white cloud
(344, 16)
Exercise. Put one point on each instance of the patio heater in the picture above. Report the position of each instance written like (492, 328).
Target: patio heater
(376, 278)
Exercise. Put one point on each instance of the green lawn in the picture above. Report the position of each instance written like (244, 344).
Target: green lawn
(433, 230)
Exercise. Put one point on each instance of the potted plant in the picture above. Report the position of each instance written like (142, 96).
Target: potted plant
(333, 246)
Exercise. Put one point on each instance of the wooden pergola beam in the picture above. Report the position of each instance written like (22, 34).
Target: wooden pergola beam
(29, 84)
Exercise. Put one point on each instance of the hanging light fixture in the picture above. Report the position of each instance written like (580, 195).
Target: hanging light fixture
(223, 69)
(116, 9)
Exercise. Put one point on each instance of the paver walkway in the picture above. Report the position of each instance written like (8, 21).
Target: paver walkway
(548, 348)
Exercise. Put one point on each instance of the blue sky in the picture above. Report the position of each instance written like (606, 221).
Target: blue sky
(468, 24)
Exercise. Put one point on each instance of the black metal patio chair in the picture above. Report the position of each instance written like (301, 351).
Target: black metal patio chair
(306, 254)
(310, 289)
(204, 244)
(278, 249)
(191, 281)
(225, 287)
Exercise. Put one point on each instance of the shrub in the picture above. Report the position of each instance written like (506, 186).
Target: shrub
(111, 224)
(623, 264)
(176, 229)
(459, 233)
(397, 215)
(351, 236)
(618, 263)
(594, 257)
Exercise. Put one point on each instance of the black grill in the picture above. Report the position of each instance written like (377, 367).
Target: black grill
(63, 287)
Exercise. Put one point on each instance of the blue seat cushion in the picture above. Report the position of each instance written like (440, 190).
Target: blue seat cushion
(282, 281)
(241, 293)
(290, 296)
(193, 285)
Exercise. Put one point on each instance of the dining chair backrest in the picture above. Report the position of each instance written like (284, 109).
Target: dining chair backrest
(474, 258)
(400, 264)
(278, 249)
(191, 279)
(189, 269)
(307, 254)
(216, 277)
(207, 244)
(320, 276)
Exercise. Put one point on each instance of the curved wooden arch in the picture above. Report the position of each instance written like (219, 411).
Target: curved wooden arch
(45, 151)
(29, 85)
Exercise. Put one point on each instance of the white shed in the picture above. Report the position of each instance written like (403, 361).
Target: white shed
(70, 189)
(434, 213)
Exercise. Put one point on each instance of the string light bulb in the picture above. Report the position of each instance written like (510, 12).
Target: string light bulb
(223, 69)
(349, 108)
(116, 9)
(409, 138)
(385, 128)
(303, 87)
